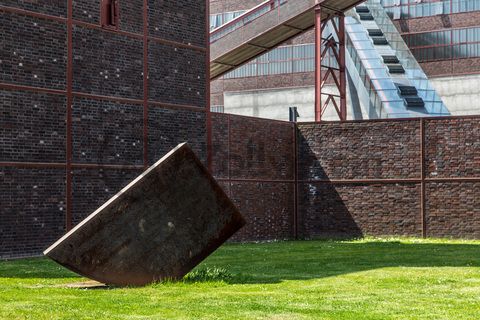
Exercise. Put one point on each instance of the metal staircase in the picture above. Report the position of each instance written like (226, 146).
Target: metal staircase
(395, 84)
(388, 80)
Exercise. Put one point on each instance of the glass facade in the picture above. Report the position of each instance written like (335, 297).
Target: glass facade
(287, 59)
(445, 44)
(217, 20)
(405, 9)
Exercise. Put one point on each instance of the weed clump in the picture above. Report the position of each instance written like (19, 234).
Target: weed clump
(208, 274)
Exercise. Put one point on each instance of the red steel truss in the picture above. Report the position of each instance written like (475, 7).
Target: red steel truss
(323, 72)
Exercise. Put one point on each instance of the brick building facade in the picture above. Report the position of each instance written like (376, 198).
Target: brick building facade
(88, 100)
(86, 107)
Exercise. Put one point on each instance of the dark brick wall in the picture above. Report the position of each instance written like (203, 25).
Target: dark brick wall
(261, 149)
(115, 63)
(376, 168)
(87, 11)
(453, 148)
(22, 139)
(131, 16)
(32, 210)
(33, 51)
(180, 78)
(167, 20)
(453, 209)
(268, 208)
(92, 187)
(342, 211)
(354, 179)
(105, 132)
(167, 128)
(51, 7)
(254, 162)
(362, 150)
(113, 111)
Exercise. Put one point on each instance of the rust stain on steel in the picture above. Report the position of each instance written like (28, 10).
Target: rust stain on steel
(159, 227)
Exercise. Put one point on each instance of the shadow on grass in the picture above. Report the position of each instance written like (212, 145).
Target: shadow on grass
(299, 260)
(319, 259)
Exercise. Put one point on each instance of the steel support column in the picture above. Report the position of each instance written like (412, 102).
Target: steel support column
(330, 49)
(343, 69)
(318, 63)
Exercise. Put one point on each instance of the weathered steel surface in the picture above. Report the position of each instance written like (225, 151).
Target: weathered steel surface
(158, 227)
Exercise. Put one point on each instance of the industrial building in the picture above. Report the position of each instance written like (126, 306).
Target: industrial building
(438, 43)
(93, 92)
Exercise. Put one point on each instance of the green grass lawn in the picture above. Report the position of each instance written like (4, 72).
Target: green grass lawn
(365, 279)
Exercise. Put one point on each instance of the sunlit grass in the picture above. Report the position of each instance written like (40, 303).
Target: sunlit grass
(363, 279)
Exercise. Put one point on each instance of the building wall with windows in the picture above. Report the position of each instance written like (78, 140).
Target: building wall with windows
(444, 36)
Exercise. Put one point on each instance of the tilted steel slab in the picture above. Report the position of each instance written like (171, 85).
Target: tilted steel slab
(159, 227)
(268, 31)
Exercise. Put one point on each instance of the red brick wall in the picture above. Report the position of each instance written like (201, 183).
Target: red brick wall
(365, 178)
(354, 178)
(254, 160)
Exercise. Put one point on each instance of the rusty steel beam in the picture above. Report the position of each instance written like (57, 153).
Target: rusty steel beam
(145, 83)
(208, 89)
(68, 120)
(324, 71)
(423, 175)
(159, 227)
(318, 63)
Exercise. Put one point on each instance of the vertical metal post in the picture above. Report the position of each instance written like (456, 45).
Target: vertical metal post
(145, 84)
(208, 113)
(335, 49)
(318, 63)
(342, 66)
(69, 133)
(423, 176)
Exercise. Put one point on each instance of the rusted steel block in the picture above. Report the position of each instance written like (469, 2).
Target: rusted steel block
(159, 227)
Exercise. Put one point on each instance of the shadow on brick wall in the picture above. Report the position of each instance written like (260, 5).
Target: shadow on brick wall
(322, 211)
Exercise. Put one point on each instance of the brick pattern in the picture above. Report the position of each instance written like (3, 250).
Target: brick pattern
(438, 22)
(92, 187)
(32, 216)
(453, 210)
(167, 128)
(261, 149)
(453, 148)
(268, 209)
(253, 158)
(109, 63)
(363, 150)
(168, 20)
(220, 6)
(131, 16)
(107, 133)
(347, 210)
(452, 67)
(344, 211)
(115, 63)
(51, 7)
(87, 11)
(220, 144)
(180, 78)
(20, 115)
(32, 51)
